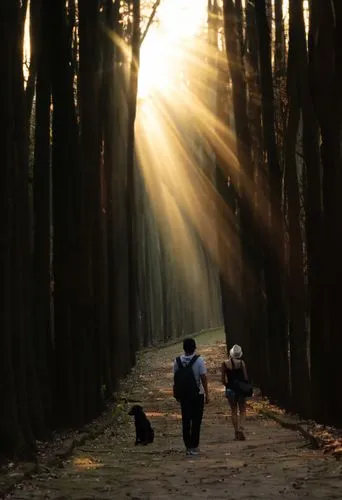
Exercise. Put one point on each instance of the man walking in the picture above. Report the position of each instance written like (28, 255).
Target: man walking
(191, 390)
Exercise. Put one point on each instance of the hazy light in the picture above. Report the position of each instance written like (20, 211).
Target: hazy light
(161, 51)
(27, 44)
(177, 134)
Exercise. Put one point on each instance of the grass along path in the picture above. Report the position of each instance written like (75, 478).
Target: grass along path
(272, 463)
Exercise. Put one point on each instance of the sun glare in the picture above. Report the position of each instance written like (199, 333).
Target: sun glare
(162, 53)
(27, 45)
(182, 18)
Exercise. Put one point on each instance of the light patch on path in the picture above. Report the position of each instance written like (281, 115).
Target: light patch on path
(272, 463)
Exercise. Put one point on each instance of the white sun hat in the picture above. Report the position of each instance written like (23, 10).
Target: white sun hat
(236, 352)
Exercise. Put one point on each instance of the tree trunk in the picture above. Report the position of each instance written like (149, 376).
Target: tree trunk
(111, 123)
(300, 382)
(42, 333)
(65, 210)
(11, 434)
(130, 194)
(258, 335)
(95, 258)
(274, 263)
(233, 28)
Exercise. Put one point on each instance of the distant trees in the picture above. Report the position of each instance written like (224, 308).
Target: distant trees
(294, 197)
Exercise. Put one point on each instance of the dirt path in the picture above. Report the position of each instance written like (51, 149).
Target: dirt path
(272, 463)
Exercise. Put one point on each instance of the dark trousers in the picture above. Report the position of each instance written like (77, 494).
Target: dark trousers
(192, 414)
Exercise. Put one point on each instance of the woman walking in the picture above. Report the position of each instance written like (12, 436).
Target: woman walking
(233, 375)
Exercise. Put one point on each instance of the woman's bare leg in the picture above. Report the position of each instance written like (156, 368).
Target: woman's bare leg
(234, 413)
(242, 416)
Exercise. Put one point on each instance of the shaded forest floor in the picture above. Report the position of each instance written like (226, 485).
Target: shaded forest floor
(272, 463)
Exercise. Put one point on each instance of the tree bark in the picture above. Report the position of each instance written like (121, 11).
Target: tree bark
(274, 262)
(130, 193)
(11, 433)
(42, 332)
(258, 322)
(300, 381)
(233, 28)
(93, 221)
(66, 219)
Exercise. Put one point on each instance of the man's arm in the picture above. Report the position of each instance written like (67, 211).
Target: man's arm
(205, 386)
(175, 367)
(204, 378)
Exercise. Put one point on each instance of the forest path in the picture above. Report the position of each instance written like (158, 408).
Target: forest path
(272, 463)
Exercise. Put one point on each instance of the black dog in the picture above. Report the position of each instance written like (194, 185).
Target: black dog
(144, 433)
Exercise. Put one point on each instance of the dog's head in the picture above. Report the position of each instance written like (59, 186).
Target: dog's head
(135, 410)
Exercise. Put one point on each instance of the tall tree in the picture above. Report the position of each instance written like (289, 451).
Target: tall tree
(11, 433)
(130, 194)
(300, 382)
(274, 263)
(92, 222)
(42, 331)
(66, 215)
(109, 122)
(233, 28)
(259, 360)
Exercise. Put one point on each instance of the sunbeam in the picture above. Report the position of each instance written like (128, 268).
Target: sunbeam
(178, 138)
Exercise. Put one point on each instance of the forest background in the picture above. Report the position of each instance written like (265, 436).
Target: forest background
(136, 211)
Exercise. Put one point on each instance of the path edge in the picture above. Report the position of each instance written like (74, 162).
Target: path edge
(26, 470)
(289, 422)
(320, 436)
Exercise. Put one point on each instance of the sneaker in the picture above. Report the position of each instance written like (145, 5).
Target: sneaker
(194, 451)
(239, 436)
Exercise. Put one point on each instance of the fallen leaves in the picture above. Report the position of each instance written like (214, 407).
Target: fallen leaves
(327, 438)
